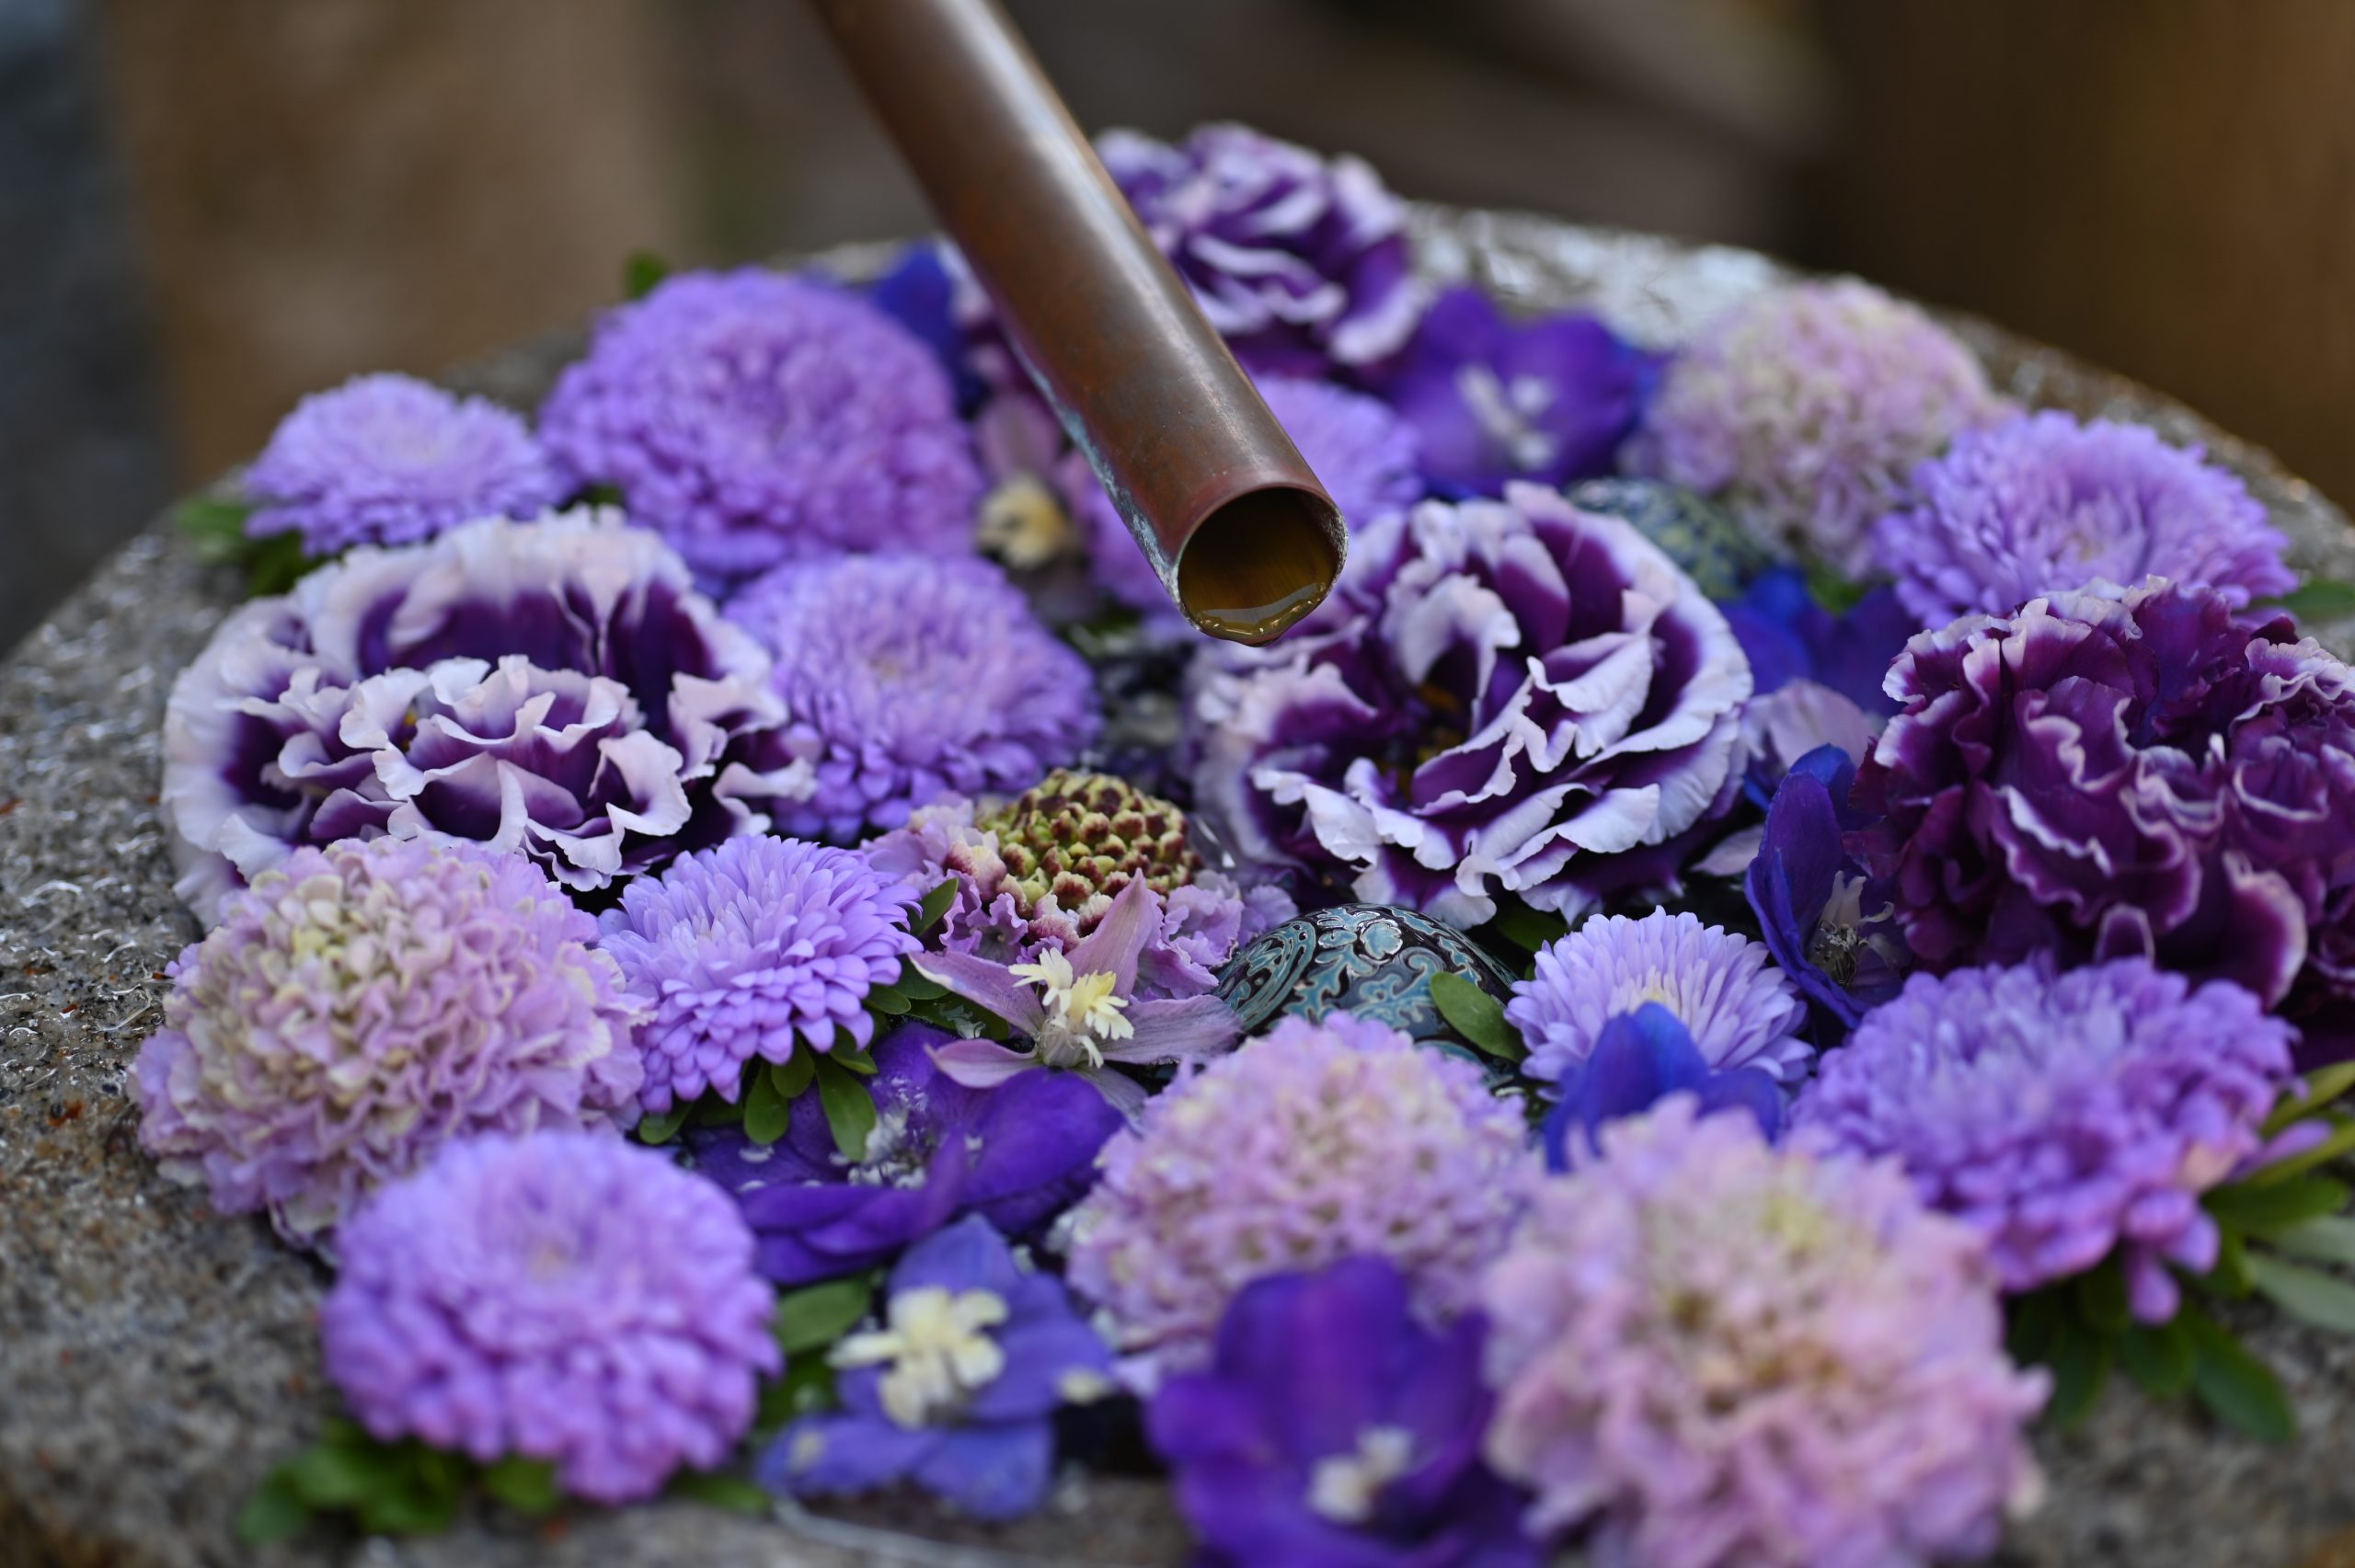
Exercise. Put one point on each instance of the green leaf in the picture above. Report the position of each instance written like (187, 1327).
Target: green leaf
(889, 1001)
(1526, 928)
(2159, 1358)
(2309, 1295)
(275, 564)
(794, 1074)
(850, 1110)
(2229, 1279)
(214, 523)
(528, 1486)
(935, 904)
(766, 1113)
(2262, 1208)
(2080, 1363)
(664, 1128)
(2341, 1139)
(961, 1018)
(2318, 598)
(275, 1512)
(1828, 588)
(2101, 1301)
(339, 1473)
(420, 1508)
(816, 1315)
(915, 985)
(1475, 1015)
(2032, 1321)
(641, 272)
(2328, 1237)
(2238, 1388)
(2323, 1085)
(850, 1055)
(717, 1491)
(807, 1388)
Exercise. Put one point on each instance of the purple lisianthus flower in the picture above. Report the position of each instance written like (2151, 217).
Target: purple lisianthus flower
(565, 1298)
(2064, 1117)
(1548, 401)
(753, 417)
(1505, 697)
(1827, 927)
(391, 459)
(1298, 261)
(359, 1007)
(1017, 1155)
(2043, 504)
(555, 688)
(956, 1388)
(1638, 1059)
(1740, 1011)
(738, 951)
(1331, 1427)
(913, 678)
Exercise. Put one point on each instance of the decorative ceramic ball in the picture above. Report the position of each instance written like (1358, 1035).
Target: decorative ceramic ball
(1373, 960)
(1696, 533)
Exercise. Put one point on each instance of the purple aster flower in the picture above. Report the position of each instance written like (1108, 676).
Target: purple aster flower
(1505, 697)
(956, 1389)
(1806, 408)
(2154, 776)
(1017, 1155)
(753, 417)
(556, 688)
(1827, 925)
(1638, 1059)
(739, 950)
(913, 678)
(359, 1008)
(1331, 1427)
(1710, 1353)
(2043, 504)
(392, 460)
(1298, 261)
(2064, 1116)
(1313, 1143)
(1548, 401)
(565, 1298)
(1720, 985)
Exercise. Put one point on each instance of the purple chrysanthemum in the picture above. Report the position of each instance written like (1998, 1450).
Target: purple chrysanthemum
(1720, 985)
(2062, 1116)
(557, 688)
(754, 417)
(359, 1008)
(1502, 696)
(391, 459)
(1717, 1355)
(1806, 409)
(1316, 1142)
(2043, 504)
(739, 950)
(566, 1298)
(913, 678)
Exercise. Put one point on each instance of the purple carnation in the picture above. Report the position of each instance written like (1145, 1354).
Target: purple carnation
(359, 1008)
(1503, 696)
(565, 1298)
(1806, 408)
(391, 459)
(2152, 776)
(2064, 1117)
(556, 688)
(753, 417)
(1713, 1353)
(2046, 505)
(739, 950)
(1298, 261)
(914, 678)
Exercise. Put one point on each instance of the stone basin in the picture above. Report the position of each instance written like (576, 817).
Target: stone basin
(156, 1359)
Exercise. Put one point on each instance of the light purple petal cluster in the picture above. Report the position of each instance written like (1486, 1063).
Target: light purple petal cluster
(754, 417)
(1806, 408)
(390, 460)
(1313, 1143)
(739, 950)
(1503, 697)
(2062, 1116)
(1721, 986)
(566, 1298)
(913, 678)
(359, 1007)
(1717, 1355)
(555, 688)
(2043, 504)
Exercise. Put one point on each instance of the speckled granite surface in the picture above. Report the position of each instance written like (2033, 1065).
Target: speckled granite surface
(155, 1360)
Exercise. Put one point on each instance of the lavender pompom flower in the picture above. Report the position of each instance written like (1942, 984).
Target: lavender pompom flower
(913, 678)
(1640, 1059)
(359, 1007)
(2064, 1117)
(391, 459)
(1298, 261)
(1504, 697)
(753, 417)
(1806, 409)
(1720, 985)
(738, 951)
(1313, 1143)
(1714, 1354)
(563, 1297)
(2043, 504)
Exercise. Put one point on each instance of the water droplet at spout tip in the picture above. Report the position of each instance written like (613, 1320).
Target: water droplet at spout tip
(1258, 564)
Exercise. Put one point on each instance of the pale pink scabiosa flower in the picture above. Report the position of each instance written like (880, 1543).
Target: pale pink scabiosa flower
(359, 1007)
(1717, 1355)
(564, 1298)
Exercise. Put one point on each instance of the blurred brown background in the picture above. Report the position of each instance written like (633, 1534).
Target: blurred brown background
(209, 208)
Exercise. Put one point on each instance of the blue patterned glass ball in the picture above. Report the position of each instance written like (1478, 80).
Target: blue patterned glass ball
(1696, 533)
